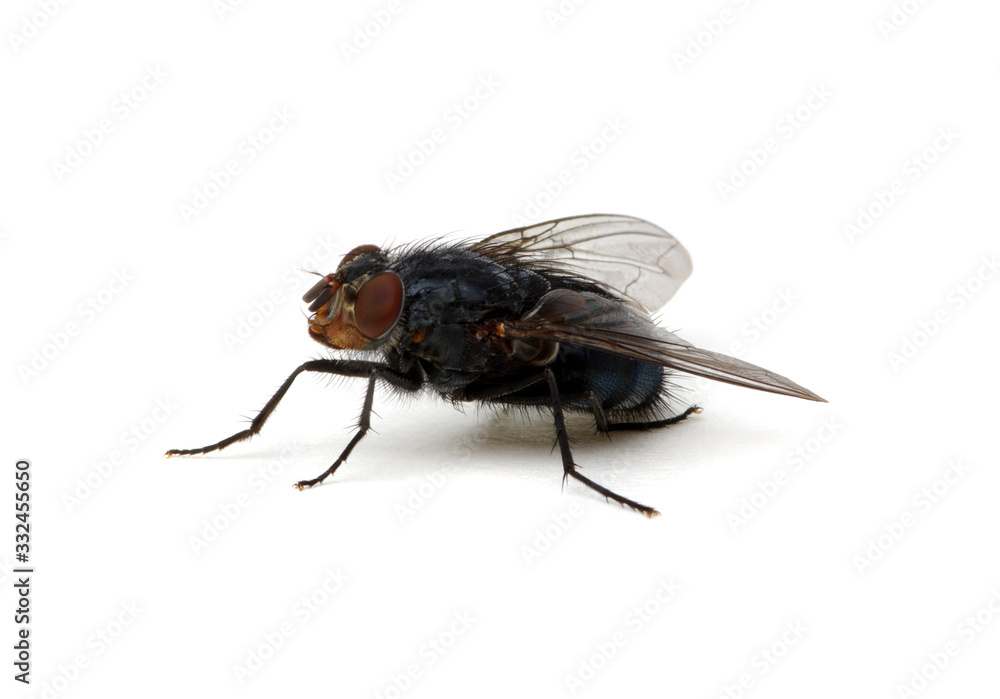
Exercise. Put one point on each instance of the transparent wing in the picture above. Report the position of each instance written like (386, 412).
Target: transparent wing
(629, 256)
(592, 321)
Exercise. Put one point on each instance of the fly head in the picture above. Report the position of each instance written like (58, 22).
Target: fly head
(359, 304)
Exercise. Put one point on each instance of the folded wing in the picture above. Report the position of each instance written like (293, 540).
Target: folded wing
(595, 322)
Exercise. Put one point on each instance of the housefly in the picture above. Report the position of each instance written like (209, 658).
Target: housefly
(552, 316)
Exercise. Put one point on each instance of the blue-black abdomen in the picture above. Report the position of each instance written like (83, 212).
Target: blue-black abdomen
(618, 382)
(622, 383)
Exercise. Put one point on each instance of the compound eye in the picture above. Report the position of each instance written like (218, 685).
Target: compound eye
(379, 303)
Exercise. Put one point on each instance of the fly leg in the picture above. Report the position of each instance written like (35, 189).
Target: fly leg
(570, 468)
(364, 424)
(324, 366)
(604, 426)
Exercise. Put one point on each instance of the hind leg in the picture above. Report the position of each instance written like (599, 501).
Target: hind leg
(603, 425)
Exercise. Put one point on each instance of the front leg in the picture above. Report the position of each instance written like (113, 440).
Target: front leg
(364, 424)
(340, 367)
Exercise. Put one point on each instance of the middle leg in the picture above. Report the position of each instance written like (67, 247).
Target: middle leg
(570, 468)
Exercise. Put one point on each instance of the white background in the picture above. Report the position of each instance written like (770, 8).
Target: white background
(548, 582)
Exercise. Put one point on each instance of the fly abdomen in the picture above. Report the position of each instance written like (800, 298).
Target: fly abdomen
(621, 383)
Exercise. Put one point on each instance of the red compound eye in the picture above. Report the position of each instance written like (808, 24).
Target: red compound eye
(378, 305)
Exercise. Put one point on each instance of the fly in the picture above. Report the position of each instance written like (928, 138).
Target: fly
(552, 316)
